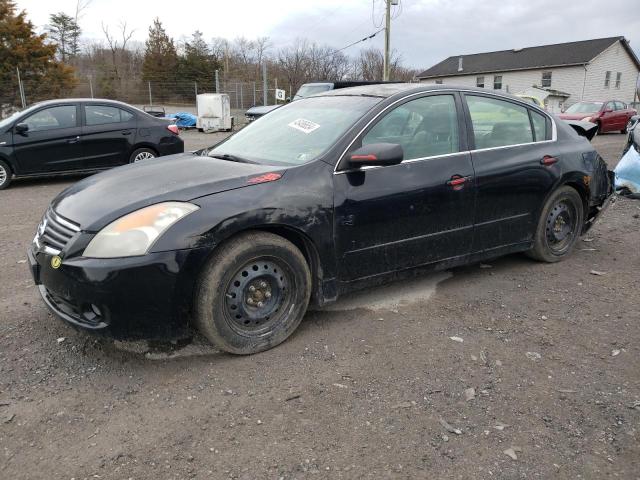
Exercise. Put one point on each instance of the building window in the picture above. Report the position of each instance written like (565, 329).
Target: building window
(438, 82)
(618, 78)
(480, 82)
(497, 82)
(607, 79)
(546, 79)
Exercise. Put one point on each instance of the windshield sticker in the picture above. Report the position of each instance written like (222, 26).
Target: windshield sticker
(305, 126)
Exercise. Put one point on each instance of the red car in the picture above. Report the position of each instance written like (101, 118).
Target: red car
(610, 116)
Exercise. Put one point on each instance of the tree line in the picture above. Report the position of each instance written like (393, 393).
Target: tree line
(59, 61)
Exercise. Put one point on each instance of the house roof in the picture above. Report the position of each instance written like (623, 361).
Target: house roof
(545, 56)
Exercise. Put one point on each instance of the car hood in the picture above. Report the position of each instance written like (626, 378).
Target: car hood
(100, 199)
(262, 110)
(576, 116)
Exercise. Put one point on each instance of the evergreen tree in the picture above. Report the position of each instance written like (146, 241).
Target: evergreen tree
(65, 32)
(198, 63)
(20, 47)
(160, 60)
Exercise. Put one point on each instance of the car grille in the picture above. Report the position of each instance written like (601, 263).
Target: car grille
(54, 232)
(89, 316)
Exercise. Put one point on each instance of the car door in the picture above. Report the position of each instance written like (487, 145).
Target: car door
(396, 217)
(108, 133)
(52, 141)
(514, 157)
(623, 115)
(609, 119)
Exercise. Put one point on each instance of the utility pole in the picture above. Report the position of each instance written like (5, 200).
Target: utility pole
(387, 41)
(264, 84)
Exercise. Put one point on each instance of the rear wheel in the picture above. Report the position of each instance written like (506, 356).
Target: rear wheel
(559, 226)
(5, 175)
(253, 293)
(142, 154)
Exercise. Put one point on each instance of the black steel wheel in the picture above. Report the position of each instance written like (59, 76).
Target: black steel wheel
(253, 293)
(256, 294)
(559, 226)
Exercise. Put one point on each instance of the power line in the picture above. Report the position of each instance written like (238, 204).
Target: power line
(361, 40)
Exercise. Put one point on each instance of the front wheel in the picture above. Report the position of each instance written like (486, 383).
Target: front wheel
(252, 293)
(559, 226)
(5, 175)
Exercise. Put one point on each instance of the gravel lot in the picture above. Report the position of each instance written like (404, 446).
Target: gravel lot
(373, 387)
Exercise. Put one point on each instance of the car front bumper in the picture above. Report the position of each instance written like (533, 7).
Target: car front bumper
(146, 297)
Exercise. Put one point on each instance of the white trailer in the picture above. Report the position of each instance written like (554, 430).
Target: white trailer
(214, 112)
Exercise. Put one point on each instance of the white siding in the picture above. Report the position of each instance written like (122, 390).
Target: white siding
(577, 82)
(614, 59)
(566, 79)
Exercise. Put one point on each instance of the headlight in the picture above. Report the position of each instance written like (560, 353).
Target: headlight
(135, 233)
(586, 119)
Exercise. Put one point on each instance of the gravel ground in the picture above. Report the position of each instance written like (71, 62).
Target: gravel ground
(541, 379)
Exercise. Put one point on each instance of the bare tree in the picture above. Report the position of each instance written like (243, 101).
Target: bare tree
(293, 63)
(81, 6)
(117, 46)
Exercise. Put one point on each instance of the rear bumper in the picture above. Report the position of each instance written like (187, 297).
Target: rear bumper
(170, 145)
(147, 297)
(603, 201)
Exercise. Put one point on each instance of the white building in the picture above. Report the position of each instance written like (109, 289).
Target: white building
(600, 69)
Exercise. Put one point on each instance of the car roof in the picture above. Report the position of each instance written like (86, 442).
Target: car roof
(83, 100)
(385, 90)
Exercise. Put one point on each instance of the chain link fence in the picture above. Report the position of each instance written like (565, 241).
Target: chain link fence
(177, 95)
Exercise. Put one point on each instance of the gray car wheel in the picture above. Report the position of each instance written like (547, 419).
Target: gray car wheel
(142, 154)
(5, 175)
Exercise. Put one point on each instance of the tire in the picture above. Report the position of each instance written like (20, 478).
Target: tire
(141, 154)
(559, 226)
(5, 175)
(239, 320)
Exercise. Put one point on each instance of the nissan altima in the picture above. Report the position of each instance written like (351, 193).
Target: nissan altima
(328, 194)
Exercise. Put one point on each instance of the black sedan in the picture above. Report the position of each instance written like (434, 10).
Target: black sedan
(322, 196)
(84, 135)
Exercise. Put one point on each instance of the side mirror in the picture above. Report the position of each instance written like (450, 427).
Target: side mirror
(608, 110)
(288, 99)
(377, 154)
(22, 128)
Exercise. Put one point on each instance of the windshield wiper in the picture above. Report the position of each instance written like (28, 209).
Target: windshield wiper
(232, 158)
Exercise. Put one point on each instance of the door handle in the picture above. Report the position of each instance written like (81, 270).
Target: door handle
(126, 132)
(74, 140)
(548, 160)
(457, 181)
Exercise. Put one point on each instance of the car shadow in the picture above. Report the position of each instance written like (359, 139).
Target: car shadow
(61, 179)
(390, 297)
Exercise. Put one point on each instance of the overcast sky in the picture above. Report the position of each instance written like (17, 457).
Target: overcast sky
(424, 32)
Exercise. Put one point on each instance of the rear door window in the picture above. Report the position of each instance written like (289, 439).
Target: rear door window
(103, 115)
(52, 118)
(424, 127)
(539, 122)
(498, 123)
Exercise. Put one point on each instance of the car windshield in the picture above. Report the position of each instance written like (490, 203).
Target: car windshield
(7, 121)
(308, 90)
(296, 133)
(584, 107)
